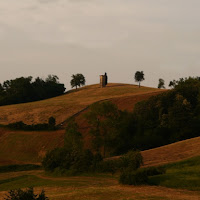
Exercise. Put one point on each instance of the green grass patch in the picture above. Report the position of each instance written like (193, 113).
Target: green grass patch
(18, 168)
(27, 181)
(184, 174)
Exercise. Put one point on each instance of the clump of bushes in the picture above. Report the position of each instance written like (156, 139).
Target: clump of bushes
(25, 195)
(129, 177)
(72, 162)
(139, 176)
(51, 125)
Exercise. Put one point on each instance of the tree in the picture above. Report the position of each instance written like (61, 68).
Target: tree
(172, 84)
(52, 78)
(73, 138)
(52, 123)
(161, 83)
(24, 89)
(27, 194)
(77, 80)
(139, 76)
(104, 118)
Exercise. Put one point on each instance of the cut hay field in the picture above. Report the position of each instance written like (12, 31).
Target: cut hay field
(74, 101)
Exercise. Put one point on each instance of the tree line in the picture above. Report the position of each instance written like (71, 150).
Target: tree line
(25, 89)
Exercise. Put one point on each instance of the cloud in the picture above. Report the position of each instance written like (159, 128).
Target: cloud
(156, 35)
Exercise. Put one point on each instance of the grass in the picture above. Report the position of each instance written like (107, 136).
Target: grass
(65, 106)
(180, 175)
(87, 187)
(21, 147)
(184, 174)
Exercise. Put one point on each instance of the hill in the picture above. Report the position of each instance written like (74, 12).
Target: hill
(74, 101)
(20, 147)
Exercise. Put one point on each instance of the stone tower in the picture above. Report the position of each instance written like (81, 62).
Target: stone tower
(103, 80)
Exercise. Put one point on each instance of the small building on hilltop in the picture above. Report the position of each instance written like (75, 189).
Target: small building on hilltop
(103, 80)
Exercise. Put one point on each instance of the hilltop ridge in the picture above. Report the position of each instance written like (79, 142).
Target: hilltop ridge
(64, 106)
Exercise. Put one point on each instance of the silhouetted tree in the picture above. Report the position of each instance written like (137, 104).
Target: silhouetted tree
(139, 76)
(161, 83)
(25, 195)
(77, 80)
(23, 89)
(172, 84)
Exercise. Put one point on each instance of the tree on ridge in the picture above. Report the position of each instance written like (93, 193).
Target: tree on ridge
(139, 77)
(77, 80)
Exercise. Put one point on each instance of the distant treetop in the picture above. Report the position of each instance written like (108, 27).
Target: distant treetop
(139, 77)
(78, 80)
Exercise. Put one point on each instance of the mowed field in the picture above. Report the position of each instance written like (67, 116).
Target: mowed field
(67, 105)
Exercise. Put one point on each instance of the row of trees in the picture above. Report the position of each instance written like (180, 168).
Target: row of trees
(22, 90)
(25, 89)
(139, 77)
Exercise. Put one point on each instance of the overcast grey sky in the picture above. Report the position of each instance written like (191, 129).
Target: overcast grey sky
(63, 37)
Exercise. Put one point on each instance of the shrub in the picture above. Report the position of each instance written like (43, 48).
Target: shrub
(52, 123)
(132, 160)
(25, 195)
(153, 171)
(62, 159)
(138, 177)
(34, 127)
(110, 166)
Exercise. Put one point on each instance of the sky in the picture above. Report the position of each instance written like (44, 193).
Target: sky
(120, 37)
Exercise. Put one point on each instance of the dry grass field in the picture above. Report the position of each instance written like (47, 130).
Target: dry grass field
(19, 147)
(22, 147)
(171, 153)
(64, 106)
(89, 188)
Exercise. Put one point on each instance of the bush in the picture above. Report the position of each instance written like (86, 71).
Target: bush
(62, 159)
(132, 160)
(153, 171)
(52, 123)
(34, 127)
(138, 177)
(25, 195)
(110, 166)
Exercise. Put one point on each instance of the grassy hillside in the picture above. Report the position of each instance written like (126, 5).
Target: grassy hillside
(64, 106)
(171, 153)
(20, 147)
(90, 188)
(105, 186)
(184, 174)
